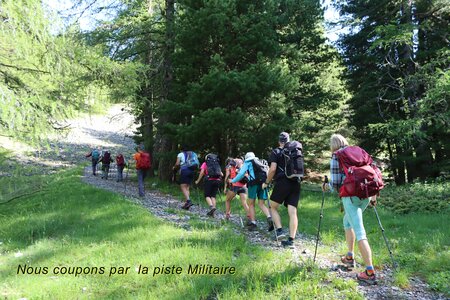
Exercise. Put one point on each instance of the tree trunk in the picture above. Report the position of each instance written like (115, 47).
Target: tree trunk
(165, 145)
(398, 163)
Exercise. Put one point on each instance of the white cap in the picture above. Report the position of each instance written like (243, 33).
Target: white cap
(249, 156)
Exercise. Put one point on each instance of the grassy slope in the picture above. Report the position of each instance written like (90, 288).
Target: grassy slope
(73, 224)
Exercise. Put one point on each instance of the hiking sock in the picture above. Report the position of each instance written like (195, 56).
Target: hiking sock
(349, 255)
(370, 270)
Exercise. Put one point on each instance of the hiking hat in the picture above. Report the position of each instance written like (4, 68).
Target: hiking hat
(283, 137)
(249, 156)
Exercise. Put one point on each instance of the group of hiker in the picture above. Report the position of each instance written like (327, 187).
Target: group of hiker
(352, 173)
(104, 157)
(250, 178)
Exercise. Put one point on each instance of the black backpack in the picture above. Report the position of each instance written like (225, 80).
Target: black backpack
(106, 159)
(213, 166)
(260, 168)
(293, 160)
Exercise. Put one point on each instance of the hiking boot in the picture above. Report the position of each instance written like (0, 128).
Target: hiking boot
(280, 233)
(249, 222)
(369, 279)
(252, 227)
(187, 204)
(211, 212)
(228, 217)
(288, 243)
(349, 263)
(270, 222)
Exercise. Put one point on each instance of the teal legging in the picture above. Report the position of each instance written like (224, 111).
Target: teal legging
(354, 208)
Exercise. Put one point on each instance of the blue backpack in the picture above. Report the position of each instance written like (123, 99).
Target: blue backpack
(192, 162)
(95, 154)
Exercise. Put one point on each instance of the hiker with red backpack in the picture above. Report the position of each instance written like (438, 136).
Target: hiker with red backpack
(120, 162)
(95, 156)
(358, 180)
(232, 167)
(286, 169)
(106, 161)
(211, 169)
(187, 162)
(254, 167)
(143, 164)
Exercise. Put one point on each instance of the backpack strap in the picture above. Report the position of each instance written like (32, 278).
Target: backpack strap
(185, 157)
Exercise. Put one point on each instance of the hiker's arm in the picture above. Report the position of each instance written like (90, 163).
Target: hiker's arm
(270, 174)
(177, 163)
(227, 174)
(241, 173)
(200, 176)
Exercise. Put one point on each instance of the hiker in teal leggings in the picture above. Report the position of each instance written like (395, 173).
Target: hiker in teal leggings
(353, 218)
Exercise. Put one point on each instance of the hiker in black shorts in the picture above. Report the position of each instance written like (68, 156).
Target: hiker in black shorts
(286, 191)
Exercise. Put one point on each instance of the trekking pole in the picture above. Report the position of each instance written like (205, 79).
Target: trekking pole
(321, 217)
(394, 264)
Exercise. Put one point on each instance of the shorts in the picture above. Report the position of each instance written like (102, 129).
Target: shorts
(257, 191)
(238, 190)
(354, 208)
(186, 176)
(286, 192)
(211, 188)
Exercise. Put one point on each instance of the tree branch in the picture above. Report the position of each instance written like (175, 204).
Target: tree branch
(24, 68)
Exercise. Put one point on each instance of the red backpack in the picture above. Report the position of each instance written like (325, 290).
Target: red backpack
(362, 177)
(143, 162)
(120, 161)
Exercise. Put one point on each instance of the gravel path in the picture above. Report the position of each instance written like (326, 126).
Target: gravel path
(113, 131)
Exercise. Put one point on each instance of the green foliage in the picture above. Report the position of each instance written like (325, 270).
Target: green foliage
(48, 78)
(439, 281)
(431, 197)
(395, 52)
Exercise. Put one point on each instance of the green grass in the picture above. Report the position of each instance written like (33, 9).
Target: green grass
(71, 224)
(420, 241)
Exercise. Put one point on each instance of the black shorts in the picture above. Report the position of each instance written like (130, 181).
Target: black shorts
(238, 190)
(186, 176)
(286, 192)
(211, 188)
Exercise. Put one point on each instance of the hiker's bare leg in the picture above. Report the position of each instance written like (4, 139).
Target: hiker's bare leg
(244, 203)
(229, 197)
(213, 201)
(185, 190)
(350, 239)
(275, 215)
(209, 201)
(251, 209)
(366, 252)
(264, 208)
(293, 220)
